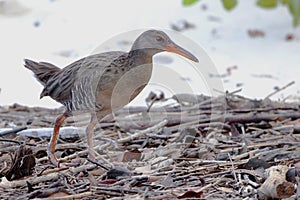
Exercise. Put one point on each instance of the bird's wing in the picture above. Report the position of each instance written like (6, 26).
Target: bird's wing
(80, 78)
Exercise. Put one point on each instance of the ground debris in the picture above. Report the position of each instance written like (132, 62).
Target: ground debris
(198, 147)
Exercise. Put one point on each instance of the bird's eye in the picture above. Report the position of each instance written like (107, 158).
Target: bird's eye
(159, 39)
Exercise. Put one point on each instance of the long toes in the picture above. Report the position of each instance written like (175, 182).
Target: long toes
(91, 155)
(52, 158)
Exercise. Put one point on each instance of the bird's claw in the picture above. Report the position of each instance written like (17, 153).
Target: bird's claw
(52, 157)
(91, 155)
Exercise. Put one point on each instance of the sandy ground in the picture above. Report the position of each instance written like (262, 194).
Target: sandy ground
(62, 31)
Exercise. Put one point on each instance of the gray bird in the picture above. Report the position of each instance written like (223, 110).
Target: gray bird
(102, 83)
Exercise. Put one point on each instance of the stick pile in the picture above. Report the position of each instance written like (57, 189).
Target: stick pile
(198, 147)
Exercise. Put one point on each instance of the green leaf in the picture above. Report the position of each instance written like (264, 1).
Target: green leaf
(229, 4)
(189, 2)
(294, 8)
(267, 3)
(285, 1)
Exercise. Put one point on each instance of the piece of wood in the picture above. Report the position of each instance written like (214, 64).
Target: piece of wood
(276, 186)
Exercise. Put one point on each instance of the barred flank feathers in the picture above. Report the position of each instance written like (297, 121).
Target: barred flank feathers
(43, 71)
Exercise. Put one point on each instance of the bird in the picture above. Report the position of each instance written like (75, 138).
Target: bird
(102, 83)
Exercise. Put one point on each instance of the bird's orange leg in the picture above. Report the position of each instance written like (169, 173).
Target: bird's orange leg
(89, 135)
(51, 146)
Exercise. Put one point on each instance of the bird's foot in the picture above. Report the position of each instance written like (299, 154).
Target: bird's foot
(91, 155)
(52, 157)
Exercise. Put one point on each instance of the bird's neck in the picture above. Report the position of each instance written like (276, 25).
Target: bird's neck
(141, 56)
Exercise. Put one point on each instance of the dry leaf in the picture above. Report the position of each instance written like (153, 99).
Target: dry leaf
(191, 194)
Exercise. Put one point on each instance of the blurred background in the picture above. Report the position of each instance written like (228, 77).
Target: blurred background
(254, 44)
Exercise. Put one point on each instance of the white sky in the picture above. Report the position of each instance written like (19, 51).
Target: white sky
(78, 27)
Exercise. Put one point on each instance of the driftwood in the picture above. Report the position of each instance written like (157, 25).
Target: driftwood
(192, 147)
(276, 186)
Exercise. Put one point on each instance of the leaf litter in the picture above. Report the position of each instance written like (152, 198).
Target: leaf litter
(198, 147)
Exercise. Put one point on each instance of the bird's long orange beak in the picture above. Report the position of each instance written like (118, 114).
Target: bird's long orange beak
(181, 51)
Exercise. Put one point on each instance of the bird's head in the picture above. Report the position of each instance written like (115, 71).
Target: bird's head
(155, 41)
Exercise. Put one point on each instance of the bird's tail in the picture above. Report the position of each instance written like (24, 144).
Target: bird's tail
(43, 71)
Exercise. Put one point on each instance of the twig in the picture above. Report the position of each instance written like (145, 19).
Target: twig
(15, 130)
(227, 93)
(98, 164)
(32, 180)
(13, 141)
(73, 196)
(82, 168)
(46, 192)
(211, 184)
(17, 142)
(280, 89)
(143, 132)
(256, 117)
(121, 190)
(232, 167)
